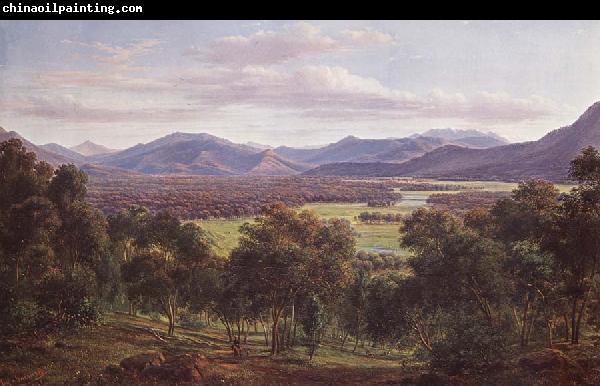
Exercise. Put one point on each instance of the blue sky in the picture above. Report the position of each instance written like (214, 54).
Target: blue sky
(296, 83)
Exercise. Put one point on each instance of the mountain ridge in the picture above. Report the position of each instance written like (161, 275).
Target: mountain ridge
(547, 157)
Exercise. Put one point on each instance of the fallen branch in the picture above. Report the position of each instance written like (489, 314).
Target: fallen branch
(153, 332)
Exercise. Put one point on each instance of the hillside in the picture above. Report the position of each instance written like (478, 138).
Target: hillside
(547, 157)
(268, 163)
(63, 151)
(41, 152)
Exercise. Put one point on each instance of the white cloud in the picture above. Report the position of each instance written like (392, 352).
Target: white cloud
(267, 47)
(367, 36)
(334, 92)
(116, 55)
(292, 42)
(68, 108)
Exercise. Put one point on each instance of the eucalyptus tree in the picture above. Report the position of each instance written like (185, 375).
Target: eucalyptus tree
(285, 253)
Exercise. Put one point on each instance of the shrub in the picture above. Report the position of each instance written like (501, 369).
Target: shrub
(68, 298)
(468, 342)
(21, 316)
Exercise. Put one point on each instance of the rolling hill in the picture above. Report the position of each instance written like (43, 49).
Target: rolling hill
(547, 157)
(201, 154)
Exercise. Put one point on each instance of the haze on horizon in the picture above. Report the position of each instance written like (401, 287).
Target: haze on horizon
(292, 83)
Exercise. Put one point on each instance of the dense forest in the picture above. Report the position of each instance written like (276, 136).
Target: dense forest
(477, 287)
(465, 201)
(204, 197)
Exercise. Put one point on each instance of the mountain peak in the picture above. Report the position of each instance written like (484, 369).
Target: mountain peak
(2, 130)
(89, 148)
(591, 113)
(474, 137)
(349, 138)
(269, 153)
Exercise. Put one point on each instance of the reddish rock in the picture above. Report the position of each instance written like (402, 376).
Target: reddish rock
(181, 368)
(141, 361)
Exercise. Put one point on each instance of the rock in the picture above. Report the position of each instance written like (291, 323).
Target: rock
(180, 368)
(552, 363)
(141, 361)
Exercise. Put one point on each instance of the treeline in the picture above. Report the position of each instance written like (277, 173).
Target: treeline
(414, 185)
(378, 217)
(378, 261)
(465, 201)
(380, 203)
(205, 197)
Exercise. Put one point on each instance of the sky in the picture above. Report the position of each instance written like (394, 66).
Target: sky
(295, 83)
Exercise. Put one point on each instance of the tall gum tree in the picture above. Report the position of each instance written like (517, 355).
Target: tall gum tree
(284, 253)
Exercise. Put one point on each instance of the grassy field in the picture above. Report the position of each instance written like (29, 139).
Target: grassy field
(490, 186)
(84, 354)
(225, 233)
(372, 237)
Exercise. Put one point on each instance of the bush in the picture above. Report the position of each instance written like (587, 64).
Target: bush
(22, 316)
(469, 342)
(68, 298)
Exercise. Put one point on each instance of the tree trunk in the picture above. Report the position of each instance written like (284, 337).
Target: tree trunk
(574, 337)
(228, 329)
(524, 321)
(356, 343)
(580, 313)
(345, 337)
(566, 321)
(275, 342)
(550, 324)
(169, 307)
(294, 333)
(17, 274)
(266, 333)
(274, 336)
(284, 334)
(531, 321)
(292, 320)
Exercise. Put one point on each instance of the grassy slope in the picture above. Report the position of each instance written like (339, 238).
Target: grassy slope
(88, 352)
